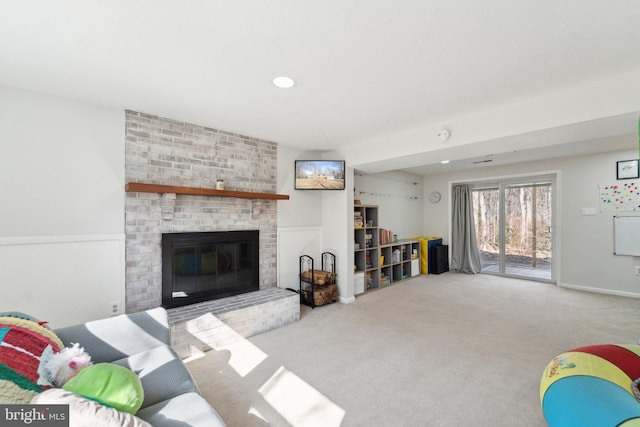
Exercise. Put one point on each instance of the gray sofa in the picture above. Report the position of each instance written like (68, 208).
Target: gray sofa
(140, 342)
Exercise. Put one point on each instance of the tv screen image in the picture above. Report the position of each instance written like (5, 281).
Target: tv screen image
(319, 175)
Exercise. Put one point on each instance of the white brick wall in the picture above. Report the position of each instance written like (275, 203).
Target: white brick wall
(164, 151)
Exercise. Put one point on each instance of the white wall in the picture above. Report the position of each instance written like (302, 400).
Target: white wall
(312, 222)
(399, 197)
(304, 208)
(299, 219)
(63, 207)
(338, 234)
(585, 246)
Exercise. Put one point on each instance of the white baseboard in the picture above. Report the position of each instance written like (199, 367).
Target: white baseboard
(347, 300)
(601, 290)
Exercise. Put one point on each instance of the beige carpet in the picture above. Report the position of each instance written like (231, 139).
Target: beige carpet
(437, 350)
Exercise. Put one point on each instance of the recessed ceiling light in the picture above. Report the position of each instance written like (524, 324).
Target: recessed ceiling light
(284, 82)
(444, 162)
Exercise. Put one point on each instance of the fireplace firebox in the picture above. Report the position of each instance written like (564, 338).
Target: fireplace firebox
(199, 267)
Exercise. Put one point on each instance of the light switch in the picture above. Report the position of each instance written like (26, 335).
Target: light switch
(588, 211)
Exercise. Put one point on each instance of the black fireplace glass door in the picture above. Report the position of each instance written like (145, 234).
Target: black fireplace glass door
(195, 271)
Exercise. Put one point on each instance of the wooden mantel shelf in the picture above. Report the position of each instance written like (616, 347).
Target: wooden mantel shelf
(140, 187)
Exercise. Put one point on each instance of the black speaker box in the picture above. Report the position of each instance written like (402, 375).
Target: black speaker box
(439, 259)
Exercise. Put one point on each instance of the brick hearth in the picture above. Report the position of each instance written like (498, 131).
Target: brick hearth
(219, 323)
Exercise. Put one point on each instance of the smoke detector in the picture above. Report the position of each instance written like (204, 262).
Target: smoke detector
(444, 134)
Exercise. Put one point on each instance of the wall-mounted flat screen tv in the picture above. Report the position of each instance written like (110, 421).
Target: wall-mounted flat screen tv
(319, 175)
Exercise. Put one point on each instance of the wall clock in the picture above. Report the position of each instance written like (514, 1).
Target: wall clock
(435, 197)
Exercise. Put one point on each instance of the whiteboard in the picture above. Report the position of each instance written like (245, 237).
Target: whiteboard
(626, 235)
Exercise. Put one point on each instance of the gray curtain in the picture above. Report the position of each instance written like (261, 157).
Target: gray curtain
(464, 247)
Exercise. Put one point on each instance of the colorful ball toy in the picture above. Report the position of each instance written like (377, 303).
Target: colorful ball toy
(593, 386)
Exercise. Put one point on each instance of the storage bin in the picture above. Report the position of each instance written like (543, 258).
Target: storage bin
(426, 243)
(358, 283)
(415, 267)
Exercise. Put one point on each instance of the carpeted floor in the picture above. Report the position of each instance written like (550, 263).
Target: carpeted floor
(437, 350)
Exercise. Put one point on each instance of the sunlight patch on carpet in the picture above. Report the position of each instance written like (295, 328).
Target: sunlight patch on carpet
(299, 403)
(253, 411)
(244, 356)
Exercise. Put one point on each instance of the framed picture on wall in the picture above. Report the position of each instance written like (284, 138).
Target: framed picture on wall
(627, 169)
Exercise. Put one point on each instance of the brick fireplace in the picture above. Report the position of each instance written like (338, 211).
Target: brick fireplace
(169, 152)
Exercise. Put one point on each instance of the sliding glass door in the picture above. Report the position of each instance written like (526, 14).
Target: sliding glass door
(514, 227)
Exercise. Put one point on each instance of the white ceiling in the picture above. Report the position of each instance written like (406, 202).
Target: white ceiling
(604, 135)
(363, 67)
